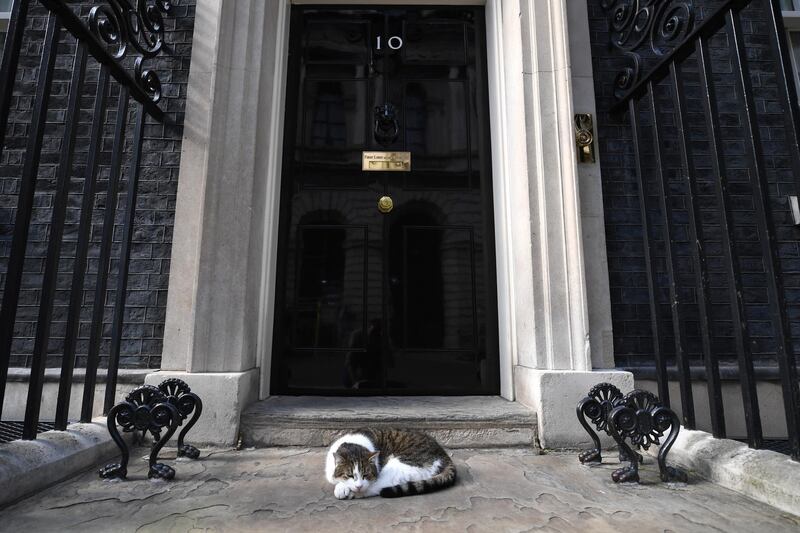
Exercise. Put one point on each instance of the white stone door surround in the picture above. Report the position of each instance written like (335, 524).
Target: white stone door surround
(554, 307)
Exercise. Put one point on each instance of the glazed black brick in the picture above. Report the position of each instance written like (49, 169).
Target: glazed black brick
(155, 205)
(633, 341)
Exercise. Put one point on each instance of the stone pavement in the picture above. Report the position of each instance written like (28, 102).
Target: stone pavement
(283, 489)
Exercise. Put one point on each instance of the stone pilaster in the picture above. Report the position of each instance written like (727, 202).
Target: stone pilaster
(564, 309)
(213, 322)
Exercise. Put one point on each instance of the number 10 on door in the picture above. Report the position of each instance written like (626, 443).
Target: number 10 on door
(395, 42)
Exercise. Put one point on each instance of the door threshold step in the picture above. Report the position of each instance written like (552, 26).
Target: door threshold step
(455, 421)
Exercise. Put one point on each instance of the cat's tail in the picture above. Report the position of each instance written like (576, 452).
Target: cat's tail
(445, 478)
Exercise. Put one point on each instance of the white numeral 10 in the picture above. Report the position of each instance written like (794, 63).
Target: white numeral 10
(394, 42)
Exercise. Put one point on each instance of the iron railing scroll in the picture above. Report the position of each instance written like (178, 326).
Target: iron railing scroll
(114, 33)
(669, 28)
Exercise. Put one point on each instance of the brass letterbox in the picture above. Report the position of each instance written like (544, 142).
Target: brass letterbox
(386, 161)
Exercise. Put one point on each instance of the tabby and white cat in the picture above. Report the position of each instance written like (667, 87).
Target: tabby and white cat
(388, 462)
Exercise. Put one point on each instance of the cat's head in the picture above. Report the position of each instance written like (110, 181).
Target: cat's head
(356, 466)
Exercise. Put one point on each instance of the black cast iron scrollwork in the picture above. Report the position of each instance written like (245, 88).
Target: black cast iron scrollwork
(602, 398)
(187, 403)
(643, 420)
(150, 409)
(144, 409)
(138, 24)
(386, 127)
(638, 417)
(641, 28)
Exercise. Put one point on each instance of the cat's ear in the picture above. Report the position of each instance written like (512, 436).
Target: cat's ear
(374, 455)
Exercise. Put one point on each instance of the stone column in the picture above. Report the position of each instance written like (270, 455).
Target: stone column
(213, 323)
(562, 312)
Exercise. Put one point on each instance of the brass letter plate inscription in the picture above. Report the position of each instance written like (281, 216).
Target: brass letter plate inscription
(386, 161)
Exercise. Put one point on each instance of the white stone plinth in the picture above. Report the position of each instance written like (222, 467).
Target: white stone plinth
(224, 396)
(554, 394)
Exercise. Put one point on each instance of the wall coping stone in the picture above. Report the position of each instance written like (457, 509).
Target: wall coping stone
(766, 476)
(28, 466)
(53, 375)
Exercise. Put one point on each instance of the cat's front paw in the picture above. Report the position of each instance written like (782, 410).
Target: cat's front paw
(343, 492)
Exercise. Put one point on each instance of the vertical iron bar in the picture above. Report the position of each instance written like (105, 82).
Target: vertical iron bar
(8, 68)
(678, 324)
(8, 74)
(783, 345)
(56, 233)
(16, 260)
(81, 251)
(661, 363)
(741, 333)
(124, 258)
(76, 288)
(105, 256)
(698, 253)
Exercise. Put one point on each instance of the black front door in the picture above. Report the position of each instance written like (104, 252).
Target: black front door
(386, 299)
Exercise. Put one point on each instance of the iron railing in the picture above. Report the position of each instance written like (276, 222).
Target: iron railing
(114, 29)
(643, 101)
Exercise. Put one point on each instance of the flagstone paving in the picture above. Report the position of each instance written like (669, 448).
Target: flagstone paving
(283, 489)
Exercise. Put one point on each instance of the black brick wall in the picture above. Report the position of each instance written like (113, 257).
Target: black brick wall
(152, 237)
(629, 295)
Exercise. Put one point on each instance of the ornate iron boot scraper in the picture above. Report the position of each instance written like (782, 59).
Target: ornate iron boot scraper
(602, 399)
(151, 409)
(638, 417)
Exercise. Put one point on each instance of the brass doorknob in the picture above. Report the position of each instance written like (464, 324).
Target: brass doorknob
(385, 204)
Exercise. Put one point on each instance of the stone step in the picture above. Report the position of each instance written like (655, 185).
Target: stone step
(455, 421)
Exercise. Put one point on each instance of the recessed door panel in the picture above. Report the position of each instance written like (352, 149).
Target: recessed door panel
(334, 133)
(386, 279)
(436, 131)
(331, 295)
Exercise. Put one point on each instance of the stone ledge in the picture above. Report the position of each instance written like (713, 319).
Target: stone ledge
(763, 475)
(455, 421)
(27, 466)
(16, 398)
(134, 376)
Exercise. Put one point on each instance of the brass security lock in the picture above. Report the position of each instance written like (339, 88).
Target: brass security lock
(584, 137)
